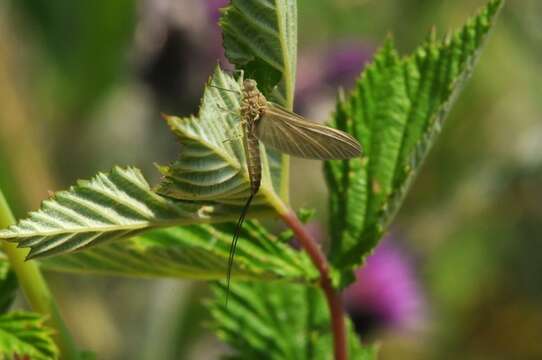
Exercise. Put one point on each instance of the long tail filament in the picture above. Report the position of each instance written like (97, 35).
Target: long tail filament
(234, 243)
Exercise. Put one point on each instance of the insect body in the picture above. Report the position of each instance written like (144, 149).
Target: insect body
(286, 132)
(253, 106)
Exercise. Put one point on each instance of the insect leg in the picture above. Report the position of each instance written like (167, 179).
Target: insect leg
(233, 138)
(237, 134)
(240, 71)
(221, 88)
(227, 110)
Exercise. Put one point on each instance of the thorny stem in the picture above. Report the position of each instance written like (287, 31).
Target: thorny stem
(35, 288)
(333, 297)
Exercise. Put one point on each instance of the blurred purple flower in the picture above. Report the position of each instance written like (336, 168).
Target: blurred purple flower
(215, 41)
(213, 9)
(386, 294)
(321, 72)
(344, 63)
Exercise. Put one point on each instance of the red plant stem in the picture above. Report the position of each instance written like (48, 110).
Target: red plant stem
(333, 297)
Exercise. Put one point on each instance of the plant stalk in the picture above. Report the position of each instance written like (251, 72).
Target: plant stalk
(333, 297)
(35, 288)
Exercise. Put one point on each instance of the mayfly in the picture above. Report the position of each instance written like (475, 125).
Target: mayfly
(286, 132)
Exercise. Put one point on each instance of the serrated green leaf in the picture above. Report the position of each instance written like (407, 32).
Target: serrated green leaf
(25, 335)
(209, 183)
(260, 36)
(396, 111)
(115, 205)
(212, 165)
(8, 284)
(278, 321)
(196, 252)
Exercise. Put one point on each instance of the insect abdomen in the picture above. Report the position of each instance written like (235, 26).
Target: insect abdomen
(252, 151)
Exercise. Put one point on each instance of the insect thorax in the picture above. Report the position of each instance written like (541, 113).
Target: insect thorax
(253, 102)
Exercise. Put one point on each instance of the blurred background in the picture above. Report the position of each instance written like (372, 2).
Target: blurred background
(82, 84)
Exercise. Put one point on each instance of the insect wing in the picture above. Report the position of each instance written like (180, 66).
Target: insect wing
(288, 132)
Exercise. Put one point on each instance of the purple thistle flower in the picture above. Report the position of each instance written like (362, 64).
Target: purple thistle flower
(386, 294)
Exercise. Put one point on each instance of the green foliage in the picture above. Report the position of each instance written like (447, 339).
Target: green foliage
(260, 36)
(211, 166)
(396, 111)
(115, 205)
(209, 177)
(278, 321)
(196, 252)
(8, 284)
(25, 335)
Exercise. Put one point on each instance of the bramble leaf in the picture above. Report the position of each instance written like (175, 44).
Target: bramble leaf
(208, 183)
(260, 36)
(396, 112)
(278, 321)
(196, 252)
(119, 204)
(211, 164)
(23, 334)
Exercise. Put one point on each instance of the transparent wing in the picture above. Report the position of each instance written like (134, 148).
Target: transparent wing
(288, 132)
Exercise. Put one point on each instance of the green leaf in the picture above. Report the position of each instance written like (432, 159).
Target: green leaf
(25, 335)
(209, 183)
(196, 252)
(8, 284)
(211, 164)
(396, 112)
(119, 204)
(260, 36)
(278, 321)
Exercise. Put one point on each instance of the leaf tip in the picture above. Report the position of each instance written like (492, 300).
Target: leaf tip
(389, 41)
